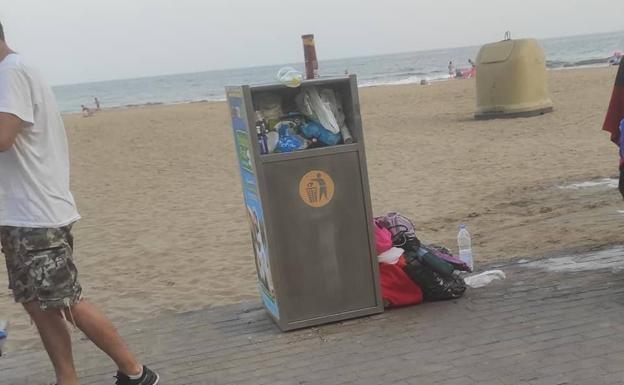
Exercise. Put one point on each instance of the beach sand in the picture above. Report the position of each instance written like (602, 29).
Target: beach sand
(164, 228)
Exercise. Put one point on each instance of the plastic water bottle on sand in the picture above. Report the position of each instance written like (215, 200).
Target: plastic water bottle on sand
(465, 246)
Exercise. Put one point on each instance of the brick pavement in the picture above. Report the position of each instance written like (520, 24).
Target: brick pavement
(541, 326)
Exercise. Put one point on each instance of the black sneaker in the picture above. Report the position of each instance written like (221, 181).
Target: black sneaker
(149, 377)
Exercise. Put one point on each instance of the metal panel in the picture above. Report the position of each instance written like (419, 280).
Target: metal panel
(352, 111)
(246, 148)
(322, 260)
(310, 153)
(321, 255)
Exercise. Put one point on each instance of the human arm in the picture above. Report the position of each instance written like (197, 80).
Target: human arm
(10, 126)
(16, 106)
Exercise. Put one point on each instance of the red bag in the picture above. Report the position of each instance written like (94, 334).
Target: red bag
(383, 239)
(397, 289)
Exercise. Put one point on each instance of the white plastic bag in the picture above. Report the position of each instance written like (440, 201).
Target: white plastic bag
(289, 77)
(329, 98)
(312, 106)
(332, 100)
(391, 256)
(484, 279)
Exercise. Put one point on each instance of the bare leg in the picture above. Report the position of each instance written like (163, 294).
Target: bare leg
(104, 335)
(56, 340)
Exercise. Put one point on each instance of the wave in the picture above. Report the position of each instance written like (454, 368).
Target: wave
(393, 81)
(386, 75)
(574, 64)
(170, 103)
(373, 80)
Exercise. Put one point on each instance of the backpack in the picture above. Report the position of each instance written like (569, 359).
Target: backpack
(402, 230)
(446, 255)
(433, 268)
(438, 278)
(435, 286)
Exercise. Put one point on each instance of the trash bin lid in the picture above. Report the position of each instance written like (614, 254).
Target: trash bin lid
(496, 52)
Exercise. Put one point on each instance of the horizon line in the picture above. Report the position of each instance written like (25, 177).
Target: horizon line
(301, 62)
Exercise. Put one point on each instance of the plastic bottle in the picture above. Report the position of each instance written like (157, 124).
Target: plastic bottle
(262, 138)
(289, 77)
(261, 129)
(465, 246)
(315, 130)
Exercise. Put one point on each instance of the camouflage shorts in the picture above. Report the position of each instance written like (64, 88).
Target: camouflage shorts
(40, 265)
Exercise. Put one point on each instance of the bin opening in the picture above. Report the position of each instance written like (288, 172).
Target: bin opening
(311, 116)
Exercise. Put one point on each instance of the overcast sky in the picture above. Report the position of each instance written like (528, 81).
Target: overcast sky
(74, 41)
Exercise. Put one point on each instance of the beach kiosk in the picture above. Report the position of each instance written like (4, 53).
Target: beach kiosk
(511, 80)
(310, 215)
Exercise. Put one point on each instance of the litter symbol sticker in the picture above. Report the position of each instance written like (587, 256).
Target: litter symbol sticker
(316, 188)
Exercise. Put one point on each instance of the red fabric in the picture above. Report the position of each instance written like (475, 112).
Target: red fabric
(383, 239)
(397, 288)
(402, 263)
(469, 72)
(615, 114)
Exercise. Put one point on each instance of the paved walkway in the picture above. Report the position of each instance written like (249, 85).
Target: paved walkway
(557, 321)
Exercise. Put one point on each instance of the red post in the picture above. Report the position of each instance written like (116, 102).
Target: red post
(309, 53)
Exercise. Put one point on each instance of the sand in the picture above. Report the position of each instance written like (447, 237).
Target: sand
(164, 227)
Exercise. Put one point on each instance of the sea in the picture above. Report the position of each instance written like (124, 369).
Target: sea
(394, 69)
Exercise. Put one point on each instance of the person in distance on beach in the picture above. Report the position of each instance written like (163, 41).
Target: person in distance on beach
(86, 111)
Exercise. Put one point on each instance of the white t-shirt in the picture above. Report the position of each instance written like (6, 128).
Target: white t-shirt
(34, 172)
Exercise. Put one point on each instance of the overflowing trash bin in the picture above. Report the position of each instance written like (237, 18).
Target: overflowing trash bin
(305, 186)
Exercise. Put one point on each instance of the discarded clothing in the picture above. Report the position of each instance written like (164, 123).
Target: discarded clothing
(397, 289)
(391, 256)
(402, 229)
(445, 254)
(396, 223)
(434, 269)
(427, 258)
(436, 287)
(383, 239)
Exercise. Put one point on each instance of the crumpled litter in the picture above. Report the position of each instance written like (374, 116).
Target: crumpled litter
(311, 104)
(484, 279)
(391, 256)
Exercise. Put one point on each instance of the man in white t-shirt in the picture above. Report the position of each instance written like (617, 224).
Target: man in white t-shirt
(37, 211)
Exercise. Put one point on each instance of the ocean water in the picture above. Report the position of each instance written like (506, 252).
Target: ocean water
(401, 68)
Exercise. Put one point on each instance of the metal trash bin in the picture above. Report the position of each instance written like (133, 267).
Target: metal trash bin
(310, 216)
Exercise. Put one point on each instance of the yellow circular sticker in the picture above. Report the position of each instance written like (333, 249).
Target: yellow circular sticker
(316, 188)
